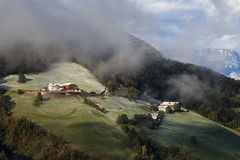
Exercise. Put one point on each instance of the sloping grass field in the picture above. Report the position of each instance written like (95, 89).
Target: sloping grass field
(97, 133)
(62, 73)
(214, 140)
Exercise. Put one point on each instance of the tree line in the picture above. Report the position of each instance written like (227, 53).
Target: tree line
(141, 120)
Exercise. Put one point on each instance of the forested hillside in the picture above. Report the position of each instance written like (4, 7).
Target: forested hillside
(143, 71)
(203, 90)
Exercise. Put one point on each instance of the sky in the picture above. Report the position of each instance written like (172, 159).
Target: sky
(198, 23)
(175, 27)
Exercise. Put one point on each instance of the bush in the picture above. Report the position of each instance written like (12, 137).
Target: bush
(96, 106)
(19, 91)
(38, 100)
(125, 128)
(89, 102)
(5, 103)
(3, 90)
(146, 120)
(133, 93)
(122, 119)
(154, 107)
(21, 78)
(161, 114)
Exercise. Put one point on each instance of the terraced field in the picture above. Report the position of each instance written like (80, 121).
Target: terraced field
(97, 133)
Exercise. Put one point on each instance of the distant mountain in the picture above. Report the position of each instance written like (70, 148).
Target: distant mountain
(225, 61)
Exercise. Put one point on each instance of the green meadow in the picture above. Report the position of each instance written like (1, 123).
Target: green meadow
(214, 140)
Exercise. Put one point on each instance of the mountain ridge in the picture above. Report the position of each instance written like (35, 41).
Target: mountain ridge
(225, 61)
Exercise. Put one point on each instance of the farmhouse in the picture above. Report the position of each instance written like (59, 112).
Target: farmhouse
(57, 87)
(168, 107)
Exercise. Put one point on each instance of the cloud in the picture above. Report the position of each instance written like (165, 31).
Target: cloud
(73, 28)
(235, 75)
(201, 19)
(227, 41)
(158, 6)
(83, 20)
(195, 25)
(177, 27)
(186, 87)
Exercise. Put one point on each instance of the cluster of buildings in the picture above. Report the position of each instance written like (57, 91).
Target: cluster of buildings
(54, 87)
(61, 88)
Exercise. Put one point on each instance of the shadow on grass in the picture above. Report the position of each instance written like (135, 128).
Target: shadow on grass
(99, 138)
(214, 141)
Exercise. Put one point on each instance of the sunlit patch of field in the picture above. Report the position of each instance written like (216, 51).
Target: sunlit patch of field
(215, 141)
(62, 73)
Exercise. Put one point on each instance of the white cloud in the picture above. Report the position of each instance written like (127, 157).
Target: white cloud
(227, 41)
(159, 6)
(235, 75)
(164, 6)
(212, 23)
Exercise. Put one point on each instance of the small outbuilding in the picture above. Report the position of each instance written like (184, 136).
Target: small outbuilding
(154, 115)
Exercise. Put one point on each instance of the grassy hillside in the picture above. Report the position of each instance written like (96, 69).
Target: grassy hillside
(80, 124)
(83, 126)
(215, 141)
(97, 133)
(60, 72)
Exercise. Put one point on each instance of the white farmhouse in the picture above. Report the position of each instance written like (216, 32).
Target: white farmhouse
(168, 107)
(52, 87)
(55, 87)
